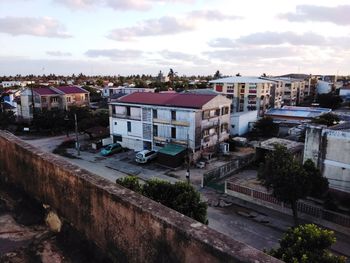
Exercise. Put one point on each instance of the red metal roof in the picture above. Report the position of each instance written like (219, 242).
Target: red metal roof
(71, 89)
(168, 99)
(45, 91)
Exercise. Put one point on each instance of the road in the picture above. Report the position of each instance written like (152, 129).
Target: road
(228, 220)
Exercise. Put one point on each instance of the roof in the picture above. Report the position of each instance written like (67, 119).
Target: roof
(345, 126)
(241, 80)
(172, 149)
(290, 145)
(71, 89)
(200, 91)
(45, 91)
(180, 100)
(301, 112)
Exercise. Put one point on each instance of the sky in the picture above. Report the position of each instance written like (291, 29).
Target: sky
(193, 37)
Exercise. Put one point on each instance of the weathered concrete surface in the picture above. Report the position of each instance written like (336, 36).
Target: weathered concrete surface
(125, 225)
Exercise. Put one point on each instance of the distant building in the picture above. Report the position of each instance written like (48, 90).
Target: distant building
(344, 92)
(153, 120)
(329, 149)
(246, 93)
(48, 98)
(293, 90)
(115, 92)
(240, 122)
(296, 148)
(291, 113)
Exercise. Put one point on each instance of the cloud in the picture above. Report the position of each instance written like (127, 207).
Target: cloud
(278, 38)
(114, 54)
(40, 26)
(168, 25)
(253, 53)
(338, 15)
(138, 5)
(183, 57)
(165, 25)
(269, 38)
(58, 54)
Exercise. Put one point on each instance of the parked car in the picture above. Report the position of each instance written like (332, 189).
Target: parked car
(145, 156)
(111, 149)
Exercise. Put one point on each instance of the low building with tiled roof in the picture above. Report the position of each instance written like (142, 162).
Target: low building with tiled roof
(153, 120)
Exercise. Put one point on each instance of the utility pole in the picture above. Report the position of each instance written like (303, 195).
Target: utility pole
(76, 134)
(188, 161)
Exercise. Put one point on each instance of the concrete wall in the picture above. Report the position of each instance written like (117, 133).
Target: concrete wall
(330, 151)
(126, 226)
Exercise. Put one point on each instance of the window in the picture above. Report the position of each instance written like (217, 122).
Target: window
(155, 114)
(68, 99)
(113, 109)
(206, 114)
(43, 99)
(155, 130)
(86, 97)
(173, 132)
(127, 111)
(54, 99)
(225, 110)
(218, 88)
(224, 127)
(217, 112)
(129, 126)
(205, 133)
(173, 115)
(115, 123)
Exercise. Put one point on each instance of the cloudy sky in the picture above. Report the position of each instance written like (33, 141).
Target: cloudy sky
(191, 36)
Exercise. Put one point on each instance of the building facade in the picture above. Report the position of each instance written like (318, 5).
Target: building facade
(152, 120)
(329, 149)
(50, 98)
(247, 93)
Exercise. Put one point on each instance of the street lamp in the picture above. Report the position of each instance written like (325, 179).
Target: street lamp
(76, 134)
(66, 119)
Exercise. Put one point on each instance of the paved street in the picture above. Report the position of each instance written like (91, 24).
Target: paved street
(263, 230)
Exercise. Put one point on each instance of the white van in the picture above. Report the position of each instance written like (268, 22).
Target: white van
(145, 156)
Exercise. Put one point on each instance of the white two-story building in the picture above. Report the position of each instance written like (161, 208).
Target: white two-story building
(152, 120)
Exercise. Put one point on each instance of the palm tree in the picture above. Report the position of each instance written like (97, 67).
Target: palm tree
(172, 76)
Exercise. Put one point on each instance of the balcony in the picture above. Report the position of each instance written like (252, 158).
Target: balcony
(180, 123)
(124, 116)
(161, 121)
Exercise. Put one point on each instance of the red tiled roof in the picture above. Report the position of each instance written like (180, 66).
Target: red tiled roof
(71, 89)
(45, 91)
(168, 99)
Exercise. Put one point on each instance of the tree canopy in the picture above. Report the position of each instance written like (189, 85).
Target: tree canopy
(288, 179)
(328, 119)
(307, 244)
(180, 196)
(265, 127)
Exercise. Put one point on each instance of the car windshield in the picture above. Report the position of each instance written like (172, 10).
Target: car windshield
(139, 155)
(108, 148)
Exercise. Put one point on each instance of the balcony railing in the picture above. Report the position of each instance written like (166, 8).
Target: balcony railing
(124, 116)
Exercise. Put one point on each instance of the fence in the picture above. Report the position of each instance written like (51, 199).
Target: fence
(302, 206)
(226, 169)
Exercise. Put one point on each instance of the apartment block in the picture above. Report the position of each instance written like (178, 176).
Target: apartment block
(152, 120)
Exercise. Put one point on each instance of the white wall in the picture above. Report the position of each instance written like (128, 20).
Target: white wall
(241, 122)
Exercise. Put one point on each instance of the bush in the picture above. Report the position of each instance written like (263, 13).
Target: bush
(180, 196)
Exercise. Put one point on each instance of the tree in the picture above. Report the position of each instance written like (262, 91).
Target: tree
(180, 196)
(265, 127)
(172, 76)
(328, 119)
(217, 75)
(286, 177)
(319, 183)
(329, 100)
(307, 244)
(130, 182)
(6, 118)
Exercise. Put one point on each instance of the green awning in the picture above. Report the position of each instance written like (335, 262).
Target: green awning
(172, 149)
